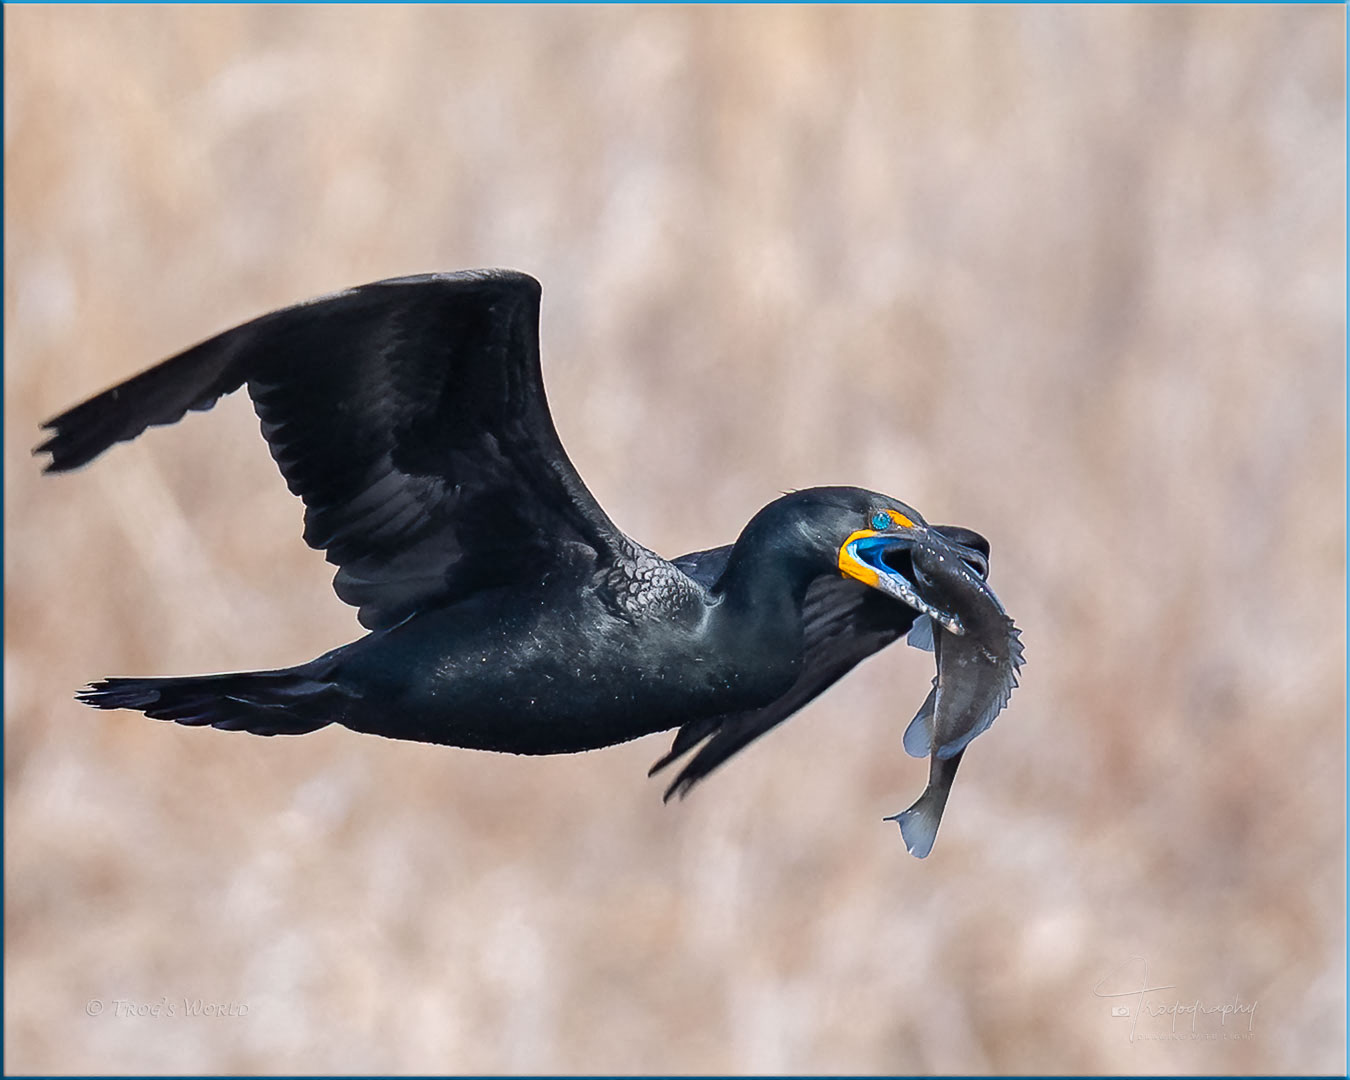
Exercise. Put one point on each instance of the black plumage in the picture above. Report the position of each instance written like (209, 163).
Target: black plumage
(506, 611)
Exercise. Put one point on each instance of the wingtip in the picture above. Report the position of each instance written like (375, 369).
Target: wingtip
(662, 762)
(62, 455)
(94, 694)
(45, 447)
(680, 788)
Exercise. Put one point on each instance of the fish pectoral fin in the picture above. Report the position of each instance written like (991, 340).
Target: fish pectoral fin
(921, 634)
(919, 734)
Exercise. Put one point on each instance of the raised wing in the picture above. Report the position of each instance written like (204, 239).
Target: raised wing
(410, 417)
(844, 623)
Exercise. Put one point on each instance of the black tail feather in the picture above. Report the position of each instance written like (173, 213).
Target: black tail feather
(287, 702)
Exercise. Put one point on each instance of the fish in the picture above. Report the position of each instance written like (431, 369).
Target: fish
(978, 650)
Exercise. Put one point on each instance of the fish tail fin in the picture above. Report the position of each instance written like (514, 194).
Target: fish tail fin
(919, 824)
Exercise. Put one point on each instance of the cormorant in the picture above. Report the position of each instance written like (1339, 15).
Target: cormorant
(506, 611)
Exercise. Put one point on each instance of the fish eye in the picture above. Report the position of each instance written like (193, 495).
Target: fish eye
(881, 520)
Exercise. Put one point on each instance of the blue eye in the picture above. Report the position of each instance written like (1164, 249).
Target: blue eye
(881, 520)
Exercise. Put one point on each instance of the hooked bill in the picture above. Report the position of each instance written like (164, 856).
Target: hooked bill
(976, 674)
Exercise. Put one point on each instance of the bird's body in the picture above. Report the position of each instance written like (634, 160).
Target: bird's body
(534, 671)
(506, 611)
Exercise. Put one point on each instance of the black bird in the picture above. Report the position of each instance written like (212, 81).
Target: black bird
(506, 611)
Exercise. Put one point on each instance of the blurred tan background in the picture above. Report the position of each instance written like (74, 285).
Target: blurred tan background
(1072, 277)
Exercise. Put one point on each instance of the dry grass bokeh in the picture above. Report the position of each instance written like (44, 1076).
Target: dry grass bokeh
(1072, 277)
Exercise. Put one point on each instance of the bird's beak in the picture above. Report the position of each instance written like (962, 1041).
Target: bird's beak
(878, 559)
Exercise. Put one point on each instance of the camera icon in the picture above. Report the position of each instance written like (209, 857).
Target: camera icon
(1120, 1010)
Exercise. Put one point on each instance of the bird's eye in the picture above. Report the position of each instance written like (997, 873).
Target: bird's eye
(881, 520)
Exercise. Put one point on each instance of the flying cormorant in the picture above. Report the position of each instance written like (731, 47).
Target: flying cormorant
(506, 611)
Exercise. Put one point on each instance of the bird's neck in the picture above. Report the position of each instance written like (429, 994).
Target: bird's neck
(763, 586)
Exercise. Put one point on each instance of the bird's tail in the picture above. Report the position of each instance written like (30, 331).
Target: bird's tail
(291, 701)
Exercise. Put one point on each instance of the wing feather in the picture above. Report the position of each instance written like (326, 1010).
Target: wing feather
(410, 417)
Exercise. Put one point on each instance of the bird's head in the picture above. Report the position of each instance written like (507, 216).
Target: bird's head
(868, 537)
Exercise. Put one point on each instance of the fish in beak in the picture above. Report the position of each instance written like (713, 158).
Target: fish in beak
(978, 651)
